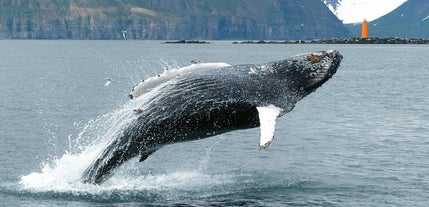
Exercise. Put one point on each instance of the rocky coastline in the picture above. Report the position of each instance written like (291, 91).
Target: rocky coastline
(355, 40)
(187, 42)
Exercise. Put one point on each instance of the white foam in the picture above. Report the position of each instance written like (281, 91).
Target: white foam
(65, 176)
(62, 174)
(65, 173)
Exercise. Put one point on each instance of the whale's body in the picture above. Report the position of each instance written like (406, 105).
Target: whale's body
(210, 101)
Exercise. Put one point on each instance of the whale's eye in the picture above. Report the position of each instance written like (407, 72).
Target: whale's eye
(314, 58)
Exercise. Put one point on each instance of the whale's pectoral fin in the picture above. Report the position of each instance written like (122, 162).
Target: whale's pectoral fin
(267, 120)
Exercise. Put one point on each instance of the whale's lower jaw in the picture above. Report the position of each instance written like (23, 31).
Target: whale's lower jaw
(208, 102)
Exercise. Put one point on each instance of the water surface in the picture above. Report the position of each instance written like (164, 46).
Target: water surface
(360, 140)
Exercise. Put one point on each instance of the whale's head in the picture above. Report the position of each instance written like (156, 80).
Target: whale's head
(305, 73)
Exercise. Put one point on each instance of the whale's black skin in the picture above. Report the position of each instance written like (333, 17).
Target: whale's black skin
(208, 102)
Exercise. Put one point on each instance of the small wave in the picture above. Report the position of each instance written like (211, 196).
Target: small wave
(193, 187)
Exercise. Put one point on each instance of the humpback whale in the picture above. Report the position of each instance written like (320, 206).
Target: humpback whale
(202, 101)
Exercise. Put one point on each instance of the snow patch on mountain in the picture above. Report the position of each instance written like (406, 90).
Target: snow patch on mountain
(352, 11)
(333, 5)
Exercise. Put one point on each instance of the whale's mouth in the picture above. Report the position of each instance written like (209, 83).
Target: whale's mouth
(322, 66)
(306, 72)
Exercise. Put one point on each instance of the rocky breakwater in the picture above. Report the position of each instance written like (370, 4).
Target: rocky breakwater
(355, 40)
(187, 42)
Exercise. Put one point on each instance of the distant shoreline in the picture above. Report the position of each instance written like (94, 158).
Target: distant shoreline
(354, 40)
(186, 42)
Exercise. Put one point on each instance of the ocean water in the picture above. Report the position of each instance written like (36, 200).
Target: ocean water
(362, 139)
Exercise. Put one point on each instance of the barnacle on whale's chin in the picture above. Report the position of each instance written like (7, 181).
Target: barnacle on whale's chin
(323, 66)
(306, 72)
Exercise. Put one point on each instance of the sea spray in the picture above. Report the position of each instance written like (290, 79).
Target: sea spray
(67, 170)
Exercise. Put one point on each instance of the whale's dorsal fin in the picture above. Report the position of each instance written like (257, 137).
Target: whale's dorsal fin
(267, 119)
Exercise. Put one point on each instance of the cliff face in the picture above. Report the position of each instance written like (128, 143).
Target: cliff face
(410, 20)
(168, 19)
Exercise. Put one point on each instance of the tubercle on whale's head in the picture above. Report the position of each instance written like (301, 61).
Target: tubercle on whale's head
(305, 73)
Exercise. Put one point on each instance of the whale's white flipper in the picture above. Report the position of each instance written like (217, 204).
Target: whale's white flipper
(267, 119)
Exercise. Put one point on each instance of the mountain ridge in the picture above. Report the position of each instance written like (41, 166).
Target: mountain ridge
(168, 19)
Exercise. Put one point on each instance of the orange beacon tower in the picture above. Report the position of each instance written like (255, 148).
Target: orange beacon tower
(364, 29)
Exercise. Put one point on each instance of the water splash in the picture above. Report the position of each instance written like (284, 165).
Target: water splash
(64, 174)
